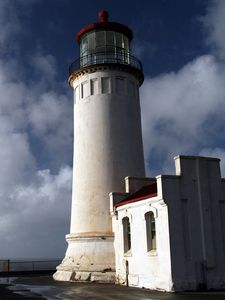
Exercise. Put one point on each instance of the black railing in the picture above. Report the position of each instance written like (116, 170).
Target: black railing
(28, 265)
(108, 55)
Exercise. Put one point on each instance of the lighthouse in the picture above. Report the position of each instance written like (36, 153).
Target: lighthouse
(108, 146)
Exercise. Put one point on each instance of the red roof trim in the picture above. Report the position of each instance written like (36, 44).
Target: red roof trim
(107, 26)
(147, 191)
(136, 199)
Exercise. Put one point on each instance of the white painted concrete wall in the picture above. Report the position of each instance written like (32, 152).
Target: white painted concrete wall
(190, 222)
(146, 269)
(107, 147)
(196, 223)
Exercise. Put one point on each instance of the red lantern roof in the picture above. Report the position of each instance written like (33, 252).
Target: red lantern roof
(103, 24)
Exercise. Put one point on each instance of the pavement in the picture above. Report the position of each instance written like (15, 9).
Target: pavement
(44, 287)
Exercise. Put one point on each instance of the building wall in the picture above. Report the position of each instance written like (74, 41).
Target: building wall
(146, 269)
(196, 221)
(190, 220)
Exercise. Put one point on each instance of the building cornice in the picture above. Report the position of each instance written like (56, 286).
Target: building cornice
(103, 67)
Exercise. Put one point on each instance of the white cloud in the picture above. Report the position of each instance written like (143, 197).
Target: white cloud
(45, 66)
(17, 163)
(32, 199)
(182, 112)
(214, 22)
(36, 215)
(34, 202)
(143, 48)
(9, 23)
(48, 112)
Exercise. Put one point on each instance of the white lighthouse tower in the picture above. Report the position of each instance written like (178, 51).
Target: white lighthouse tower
(107, 144)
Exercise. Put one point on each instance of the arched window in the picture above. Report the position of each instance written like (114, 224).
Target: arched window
(150, 231)
(126, 234)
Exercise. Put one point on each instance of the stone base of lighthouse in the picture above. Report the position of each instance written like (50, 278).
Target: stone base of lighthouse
(88, 258)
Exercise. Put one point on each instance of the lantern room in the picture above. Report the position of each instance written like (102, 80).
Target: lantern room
(105, 42)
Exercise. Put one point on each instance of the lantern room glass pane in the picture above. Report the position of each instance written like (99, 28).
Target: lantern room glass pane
(126, 43)
(100, 39)
(119, 40)
(110, 38)
(104, 46)
(91, 41)
(84, 45)
(95, 41)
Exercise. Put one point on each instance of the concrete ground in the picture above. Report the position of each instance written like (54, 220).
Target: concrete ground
(44, 287)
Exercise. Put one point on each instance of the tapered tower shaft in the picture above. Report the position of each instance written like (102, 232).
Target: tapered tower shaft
(107, 144)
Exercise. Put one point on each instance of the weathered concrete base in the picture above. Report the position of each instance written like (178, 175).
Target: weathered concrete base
(101, 277)
(88, 258)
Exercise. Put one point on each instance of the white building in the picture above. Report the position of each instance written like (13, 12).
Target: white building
(161, 233)
(169, 235)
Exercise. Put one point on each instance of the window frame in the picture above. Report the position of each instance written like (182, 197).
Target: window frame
(126, 235)
(151, 235)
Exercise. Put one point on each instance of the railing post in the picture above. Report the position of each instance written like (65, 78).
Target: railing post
(6, 265)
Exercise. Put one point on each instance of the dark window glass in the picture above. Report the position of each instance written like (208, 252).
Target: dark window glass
(126, 234)
(150, 231)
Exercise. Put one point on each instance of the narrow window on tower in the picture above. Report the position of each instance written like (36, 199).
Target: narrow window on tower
(84, 89)
(126, 234)
(76, 94)
(105, 85)
(150, 231)
(94, 86)
(120, 85)
(131, 88)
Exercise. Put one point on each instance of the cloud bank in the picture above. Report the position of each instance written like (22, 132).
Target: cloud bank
(214, 22)
(35, 153)
(183, 112)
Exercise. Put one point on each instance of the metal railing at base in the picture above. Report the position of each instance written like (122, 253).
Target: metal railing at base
(106, 55)
(7, 265)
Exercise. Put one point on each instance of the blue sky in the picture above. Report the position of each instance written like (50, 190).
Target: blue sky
(181, 45)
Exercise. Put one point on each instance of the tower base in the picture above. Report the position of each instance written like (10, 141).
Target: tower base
(88, 258)
(107, 277)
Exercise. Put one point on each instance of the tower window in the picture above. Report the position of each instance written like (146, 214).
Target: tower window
(150, 231)
(131, 88)
(94, 86)
(76, 94)
(120, 85)
(105, 85)
(126, 234)
(84, 89)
